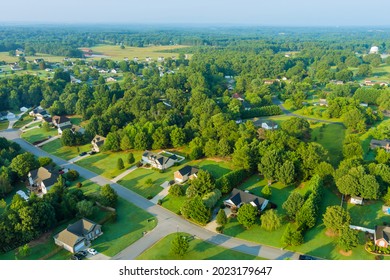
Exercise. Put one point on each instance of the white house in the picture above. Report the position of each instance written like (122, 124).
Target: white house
(269, 125)
(40, 180)
(97, 142)
(356, 200)
(374, 50)
(158, 161)
(23, 109)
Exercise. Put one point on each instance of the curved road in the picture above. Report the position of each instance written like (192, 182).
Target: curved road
(168, 222)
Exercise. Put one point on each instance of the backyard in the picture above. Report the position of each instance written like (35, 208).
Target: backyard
(38, 134)
(55, 148)
(4, 125)
(198, 250)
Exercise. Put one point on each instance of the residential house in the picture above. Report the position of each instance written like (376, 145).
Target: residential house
(160, 59)
(386, 113)
(10, 116)
(97, 142)
(39, 113)
(19, 52)
(49, 120)
(78, 236)
(363, 104)
(383, 144)
(269, 125)
(23, 109)
(238, 97)
(62, 123)
(356, 200)
(77, 129)
(382, 236)
(113, 71)
(185, 173)
(40, 180)
(135, 59)
(269, 82)
(158, 161)
(374, 50)
(73, 80)
(148, 59)
(239, 197)
(110, 79)
(323, 102)
(16, 67)
(38, 60)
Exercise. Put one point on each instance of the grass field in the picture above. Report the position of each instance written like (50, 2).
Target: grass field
(4, 125)
(38, 134)
(331, 137)
(26, 120)
(105, 163)
(379, 74)
(198, 250)
(116, 53)
(55, 148)
(49, 58)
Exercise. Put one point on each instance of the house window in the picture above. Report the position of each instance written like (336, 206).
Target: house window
(97, 231)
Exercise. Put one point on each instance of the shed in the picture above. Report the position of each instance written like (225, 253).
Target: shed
(356, 200)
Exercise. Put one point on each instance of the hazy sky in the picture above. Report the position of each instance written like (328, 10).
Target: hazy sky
(252, 12)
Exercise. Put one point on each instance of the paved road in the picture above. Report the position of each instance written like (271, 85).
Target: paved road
(168, 222)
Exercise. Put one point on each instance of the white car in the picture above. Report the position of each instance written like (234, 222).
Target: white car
(93, 252)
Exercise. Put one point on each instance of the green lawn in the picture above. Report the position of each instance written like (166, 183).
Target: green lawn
(198, 250)
(55, 147)
(26, 120)
(38, 134)
(331, 137)
(105, 163)
(4, 125)
(216, 167)
(116, 53)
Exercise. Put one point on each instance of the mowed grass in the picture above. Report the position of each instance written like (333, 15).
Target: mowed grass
(38, 134)
(129, 227)
(198, 250)
(26, 120)
(4, 125)
(55, 148)
(115, 52)
(331, 137)
(105, 163)
(4, 56)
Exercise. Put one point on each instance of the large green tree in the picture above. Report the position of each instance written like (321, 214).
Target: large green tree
(270, 220)
(247, 215)
(336, 218)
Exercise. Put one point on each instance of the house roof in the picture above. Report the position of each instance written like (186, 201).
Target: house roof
(66, 127)
(270, 123)
(158, 158)
(45, 176)
(74, 233)
(76, 128)
(382, 232)
(69, 238)
(60, 119)
(98, 140)
(48, 119)
(239, 196)
(3, 114)
(382, 143)
(188, 170)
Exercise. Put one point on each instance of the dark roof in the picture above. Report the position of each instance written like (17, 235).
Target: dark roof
(3, 114)
(47, 177)
(60, 119)
(98, 140)
(381, 143)
(66, 126)
(270, 123)
(188, 170)
(157, 157)
(48, 119)
(382, 232)
(81, 227)
(239, 196)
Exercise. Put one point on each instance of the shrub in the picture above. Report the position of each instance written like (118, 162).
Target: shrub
(219, 229)
(44, 161)
(139, 164)
(160, 202)
(79, 185)
(211, 198)
(120, 165)
(72, 175)
(108, 196)
(227, 182)
(130, 158)
(176, 190)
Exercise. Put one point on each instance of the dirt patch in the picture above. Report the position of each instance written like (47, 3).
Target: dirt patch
(41, 240)
(346, 253)
(330, 233)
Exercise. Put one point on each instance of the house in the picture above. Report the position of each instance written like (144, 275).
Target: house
(97, 142)
(158, 161)
(22, 194)
(238, 97)
(374, 50)
(246, 105)
(323, 102)
(87, 52)
(39, 113)
(185, 173)
(148, 59)
(61, 129)
(386, 113)
(160, 59)
(386, 209)
(60, 121)
(135, 59)
(10, 116)
(19, 52)
(383, 144)
(269, 125)
(23, 109)
(38, 60)
(110, 79)
(363, 104)
(78, 236)
(269, 82)
(113, 71)
(3, 116)
(239, 197)
(382, 236)
(16, 67)
(73, 80)
(40, 180)
(356, 200)
(77, 129)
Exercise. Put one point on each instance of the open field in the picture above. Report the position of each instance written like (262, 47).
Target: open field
(26, 119)
(55, 148)
(38, 134)
(331, 137)
(4, 56)
(116, 53)
(105, 163)
(4, 125)
(198, 250)
(379, 74)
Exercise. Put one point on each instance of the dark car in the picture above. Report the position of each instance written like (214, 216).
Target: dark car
(307, 258)
(82, 154)
(79, 256)
(83, 253)
(74, 258)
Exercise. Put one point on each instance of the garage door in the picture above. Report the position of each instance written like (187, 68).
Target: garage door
(79, 246)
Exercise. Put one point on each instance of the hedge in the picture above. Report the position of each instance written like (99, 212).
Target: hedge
(231, 180)
(262, 112)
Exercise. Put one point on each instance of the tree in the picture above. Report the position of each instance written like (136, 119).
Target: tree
(348, 238)
(211, 198)
(247, 215)
(353, 150)
(72, 175)
(179, 245)
(382, 156)
(293, 204)
(176, 190)
(125, 143)
(364, 70)
(23, 163)
(5, 186)
(177, 137)
(130, 158)
(297, 127)
(85, 208)
(221, 217)
(195, 209)
(270, 220)
(269, 165)
(46, 126)
(202, 184)
(108, 196)
(286, 173)
(120, 165)
(243, 157)
(335, 218)
(44, 161)
(24, 251)
(307, 215)
(292, 236)
(266, 191)
(68, 138)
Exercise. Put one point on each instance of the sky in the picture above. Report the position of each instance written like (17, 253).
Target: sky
(217, 12)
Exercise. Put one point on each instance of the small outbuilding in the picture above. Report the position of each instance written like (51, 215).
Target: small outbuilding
(356, 200)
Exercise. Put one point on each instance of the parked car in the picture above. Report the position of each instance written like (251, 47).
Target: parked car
(82, 154)
(83, 253)
(92, 251)
(74, 258)
(92, 152)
